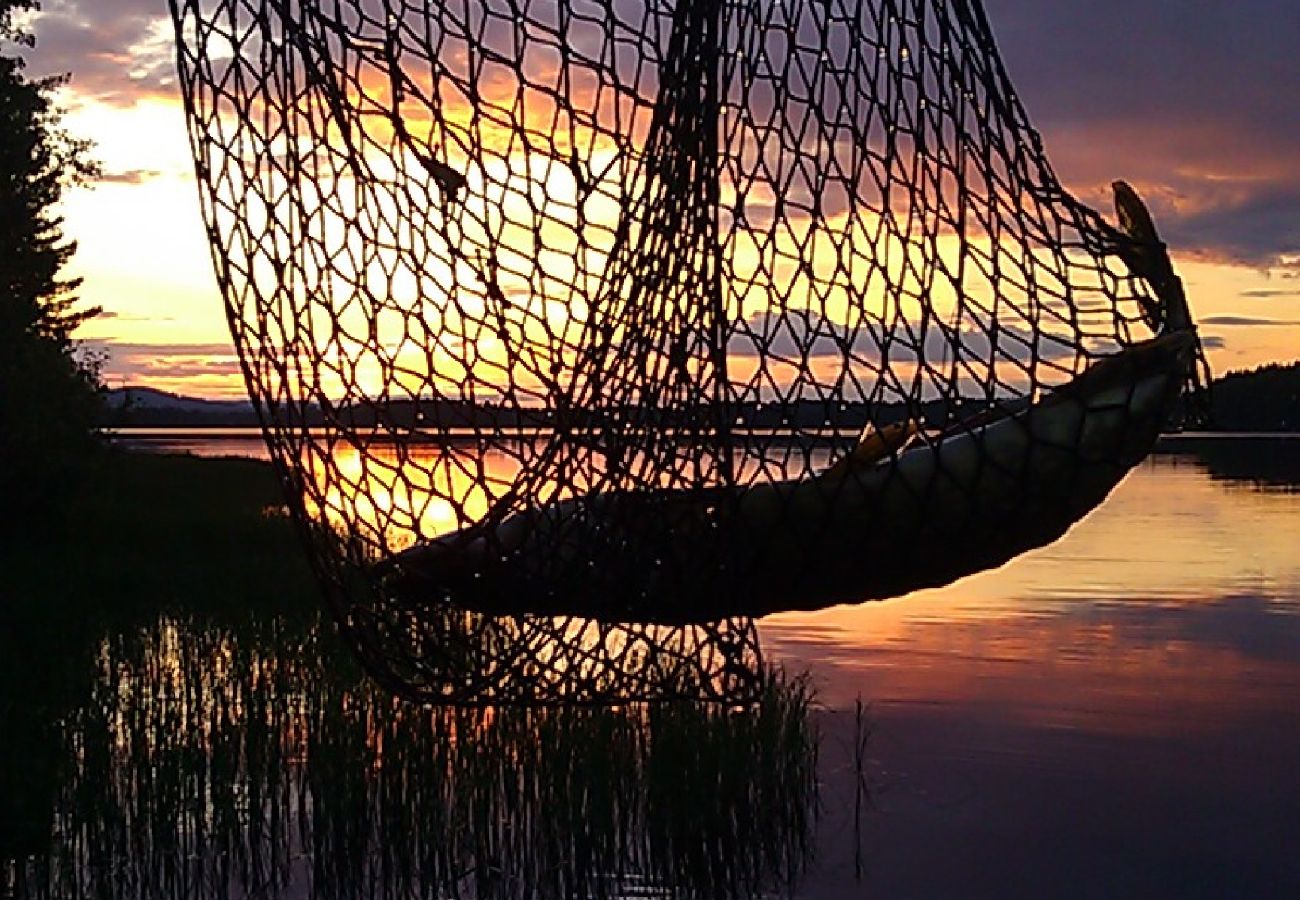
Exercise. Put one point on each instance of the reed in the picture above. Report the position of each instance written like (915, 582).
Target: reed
(185, 722)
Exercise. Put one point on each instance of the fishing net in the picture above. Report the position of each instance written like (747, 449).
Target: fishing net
(568, 314)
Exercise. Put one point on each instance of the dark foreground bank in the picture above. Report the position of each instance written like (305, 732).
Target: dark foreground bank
(144, 530)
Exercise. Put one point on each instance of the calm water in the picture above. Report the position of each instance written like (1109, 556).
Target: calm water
(1117, 715)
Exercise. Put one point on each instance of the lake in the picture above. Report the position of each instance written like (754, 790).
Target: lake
(1116, 715)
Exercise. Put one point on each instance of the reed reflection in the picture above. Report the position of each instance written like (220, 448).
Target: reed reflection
(199, 759)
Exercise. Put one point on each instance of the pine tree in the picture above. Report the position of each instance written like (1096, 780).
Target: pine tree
(49, 394)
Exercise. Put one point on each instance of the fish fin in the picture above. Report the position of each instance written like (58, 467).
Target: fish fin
(874, 445)
(1147, 257)
(1134, 217)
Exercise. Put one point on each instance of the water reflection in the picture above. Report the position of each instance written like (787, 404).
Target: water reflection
(1114, 715)
(1184, 570)
(189, 758)
(1260, 461)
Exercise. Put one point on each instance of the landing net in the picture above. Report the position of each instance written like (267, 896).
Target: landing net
(485, 258)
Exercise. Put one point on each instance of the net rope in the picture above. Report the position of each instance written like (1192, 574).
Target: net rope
(485, 259)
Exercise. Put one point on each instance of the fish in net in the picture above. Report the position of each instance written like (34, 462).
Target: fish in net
(584, 331)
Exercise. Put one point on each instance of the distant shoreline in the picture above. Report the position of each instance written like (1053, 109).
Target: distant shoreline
(469, 436)
(1263, 401)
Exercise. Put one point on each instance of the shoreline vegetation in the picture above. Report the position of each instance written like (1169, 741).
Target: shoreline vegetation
(49, 392)
(1264, 400)
(171, 645)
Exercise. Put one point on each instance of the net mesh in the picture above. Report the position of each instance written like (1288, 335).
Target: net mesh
(526, 261)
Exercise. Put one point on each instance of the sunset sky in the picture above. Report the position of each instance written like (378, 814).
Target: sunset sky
(1196, 103)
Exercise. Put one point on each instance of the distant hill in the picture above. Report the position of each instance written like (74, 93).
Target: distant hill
(1263, 399)
(145, 407)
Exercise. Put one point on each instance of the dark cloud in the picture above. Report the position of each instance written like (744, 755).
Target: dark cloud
(1245, 320)
(1194, 102)
(1213, 342)
(803, 335)
(1257, 225)
(130, 176)
(129, 317)
(799, 335)
(145, 351)
(1269, 294)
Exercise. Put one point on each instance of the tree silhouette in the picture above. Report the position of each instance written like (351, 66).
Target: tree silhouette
(49, 394)
(1263, 399)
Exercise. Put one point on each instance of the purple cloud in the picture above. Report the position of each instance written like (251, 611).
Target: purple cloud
(117, 51)
(130, 176)
(135, 363)
(1193, 102)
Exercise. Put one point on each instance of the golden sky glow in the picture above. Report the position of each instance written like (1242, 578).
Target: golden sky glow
(145, 260)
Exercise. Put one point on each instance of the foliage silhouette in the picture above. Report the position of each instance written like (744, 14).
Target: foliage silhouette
(49, 393)
(1263, 399)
